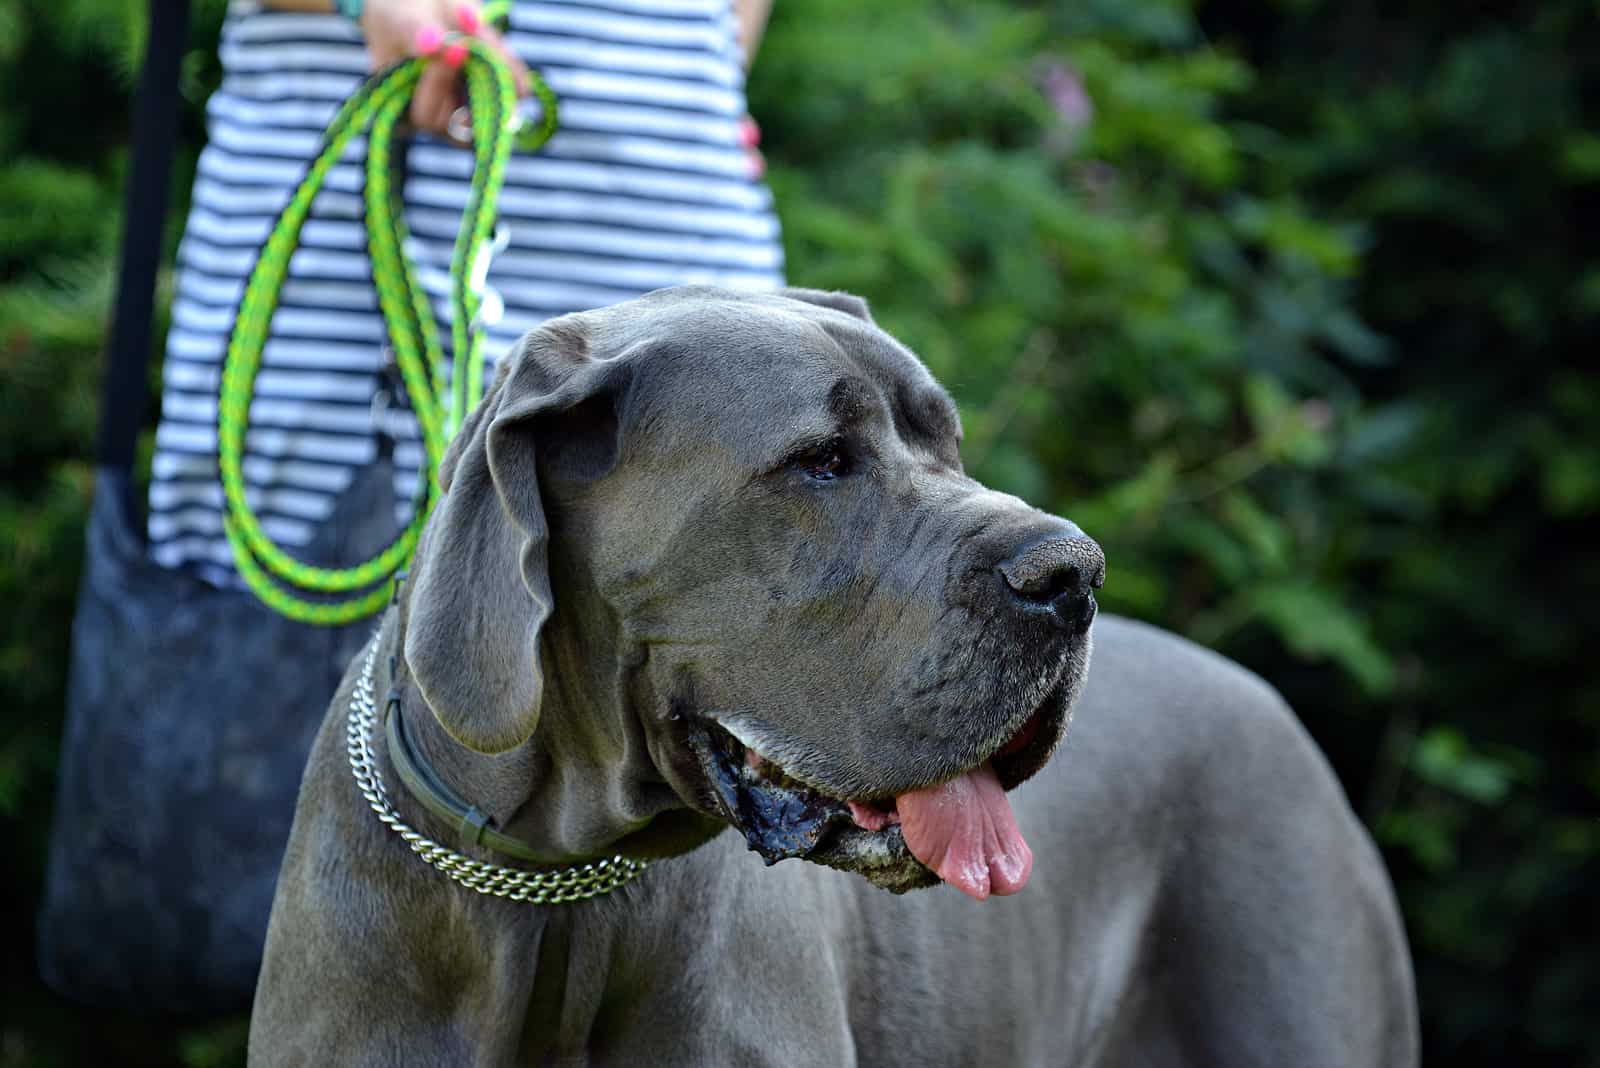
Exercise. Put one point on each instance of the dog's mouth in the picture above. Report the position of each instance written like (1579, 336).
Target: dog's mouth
(960, 831)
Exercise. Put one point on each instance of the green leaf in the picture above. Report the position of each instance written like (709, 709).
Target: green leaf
(1317, 625)
(1444, 759)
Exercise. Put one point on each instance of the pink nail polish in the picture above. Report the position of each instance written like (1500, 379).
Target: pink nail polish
(428, 40)
(468, 19)
(454, 55)
(749, 132)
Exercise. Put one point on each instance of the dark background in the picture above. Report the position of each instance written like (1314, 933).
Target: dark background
(1283, 303)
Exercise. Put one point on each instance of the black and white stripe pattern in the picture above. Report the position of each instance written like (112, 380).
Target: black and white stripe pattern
(645, 185)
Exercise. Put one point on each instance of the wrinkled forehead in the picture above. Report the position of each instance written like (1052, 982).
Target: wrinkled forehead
(756, 378)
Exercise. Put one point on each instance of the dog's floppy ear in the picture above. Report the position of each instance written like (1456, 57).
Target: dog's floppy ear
(848, 303)
(480, 587)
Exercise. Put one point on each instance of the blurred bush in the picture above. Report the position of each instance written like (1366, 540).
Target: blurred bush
(1282, 304)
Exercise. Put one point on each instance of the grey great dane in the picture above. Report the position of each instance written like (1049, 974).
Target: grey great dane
(708, 578)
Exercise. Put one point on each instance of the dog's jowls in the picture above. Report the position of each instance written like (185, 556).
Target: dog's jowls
(708, 578)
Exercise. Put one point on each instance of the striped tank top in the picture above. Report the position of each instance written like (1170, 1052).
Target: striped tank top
(645, 185)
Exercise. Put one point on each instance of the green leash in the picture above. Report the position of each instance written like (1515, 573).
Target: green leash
(330, 596)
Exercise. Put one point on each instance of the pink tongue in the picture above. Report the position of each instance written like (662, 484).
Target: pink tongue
(964, 830)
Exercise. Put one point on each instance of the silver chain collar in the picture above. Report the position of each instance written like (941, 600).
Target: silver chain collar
(537, 887)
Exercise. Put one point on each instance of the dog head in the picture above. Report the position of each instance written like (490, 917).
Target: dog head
(746, 518)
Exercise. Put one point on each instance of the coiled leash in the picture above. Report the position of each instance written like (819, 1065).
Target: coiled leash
(335, 595)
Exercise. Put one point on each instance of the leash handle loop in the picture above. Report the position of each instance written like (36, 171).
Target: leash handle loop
(337, 595)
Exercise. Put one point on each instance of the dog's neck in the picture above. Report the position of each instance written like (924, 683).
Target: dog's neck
(583, 786)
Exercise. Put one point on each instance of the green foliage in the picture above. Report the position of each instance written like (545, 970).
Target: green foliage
(1462, 142)
(55, 263)
(1282, 305)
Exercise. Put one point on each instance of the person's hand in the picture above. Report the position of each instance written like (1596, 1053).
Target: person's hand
(396, 29)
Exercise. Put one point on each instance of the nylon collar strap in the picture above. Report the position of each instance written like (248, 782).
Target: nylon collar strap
(473, 824)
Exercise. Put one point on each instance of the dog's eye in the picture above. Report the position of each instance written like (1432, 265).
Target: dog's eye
(822, 464)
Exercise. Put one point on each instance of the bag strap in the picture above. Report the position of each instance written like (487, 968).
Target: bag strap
(125, 393)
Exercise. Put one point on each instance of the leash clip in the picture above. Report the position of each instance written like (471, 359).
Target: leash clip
(498, 242)
(491, 307)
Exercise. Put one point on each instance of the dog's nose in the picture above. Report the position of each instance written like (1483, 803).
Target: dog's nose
(1057, 574)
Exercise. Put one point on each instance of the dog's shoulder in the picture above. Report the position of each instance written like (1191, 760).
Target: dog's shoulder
(1212, 753)
(1188, 707)
(1264, 868)
(1177, 735)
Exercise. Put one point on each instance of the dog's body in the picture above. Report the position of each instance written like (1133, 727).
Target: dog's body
(1201, 892)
